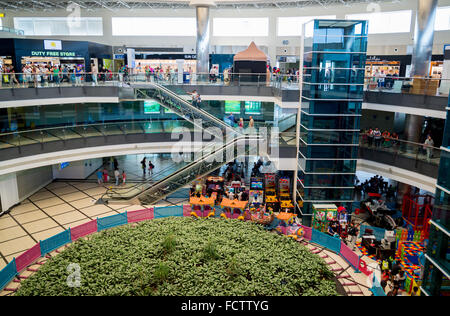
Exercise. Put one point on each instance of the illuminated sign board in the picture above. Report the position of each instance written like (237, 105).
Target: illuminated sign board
(252, 107)
(233, 107)
(52, 45)
(151, 107)
(40, 53)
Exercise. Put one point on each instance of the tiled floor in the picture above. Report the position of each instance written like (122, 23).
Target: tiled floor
(56, 207)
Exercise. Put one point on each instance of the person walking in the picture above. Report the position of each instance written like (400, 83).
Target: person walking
(94, 72)
(428, 146)
(105, 175)
(150, 167)
(124, 177)
(241, 123)
(232, 119)
(353, 233)
(78, 71)
(99, 177)
(377, 137)
(116, 176)
(195, 98)
(144, 165)
(251, 123)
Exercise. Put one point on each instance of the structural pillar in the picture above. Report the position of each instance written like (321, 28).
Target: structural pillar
(413, 128)
(423, 37)
(203, 30)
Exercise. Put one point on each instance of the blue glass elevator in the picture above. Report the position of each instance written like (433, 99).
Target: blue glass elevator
(436, 276)
(334, 56)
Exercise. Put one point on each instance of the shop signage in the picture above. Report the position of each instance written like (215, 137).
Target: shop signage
(373, 58)
(40, 53)
(52, 45)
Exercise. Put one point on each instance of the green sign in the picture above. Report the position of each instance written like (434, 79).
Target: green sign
(41, 53)
(168, 111)
(252, 107)
(233, 107)
(151, 107)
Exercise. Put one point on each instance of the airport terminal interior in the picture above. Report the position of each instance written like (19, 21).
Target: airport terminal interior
(224, 148)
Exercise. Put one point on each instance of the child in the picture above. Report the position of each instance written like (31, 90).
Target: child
(150, 167)
(124, 177)
(99, 177)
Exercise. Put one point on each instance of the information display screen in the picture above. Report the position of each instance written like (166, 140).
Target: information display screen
(252, 107)
(151, 107)
(233, 107)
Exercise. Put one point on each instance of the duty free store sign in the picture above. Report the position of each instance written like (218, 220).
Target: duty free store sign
(52, 54)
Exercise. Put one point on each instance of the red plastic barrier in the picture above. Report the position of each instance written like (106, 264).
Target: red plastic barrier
(83, 230)
(141, 215)
(187, 209)
(28, 257)
(364, 268)
(307, 232)
(349, 255)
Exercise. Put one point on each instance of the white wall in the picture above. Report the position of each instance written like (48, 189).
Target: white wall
(32, 180)
(77, 169)
(381, 44)
(9, 194)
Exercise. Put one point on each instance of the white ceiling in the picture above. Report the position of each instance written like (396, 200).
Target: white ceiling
(52, 5)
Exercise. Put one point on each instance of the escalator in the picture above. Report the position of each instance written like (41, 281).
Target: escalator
(172, 101)
(211, 159)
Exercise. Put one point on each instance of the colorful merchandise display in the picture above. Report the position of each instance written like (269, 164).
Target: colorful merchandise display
(323, 214)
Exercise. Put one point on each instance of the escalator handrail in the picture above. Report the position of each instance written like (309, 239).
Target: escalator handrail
(190, 165)
(149, 181)
(211, 117)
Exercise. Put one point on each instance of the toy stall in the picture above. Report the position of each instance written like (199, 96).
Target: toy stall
(270, 181)
(256, 194)
(202, 206)
(215, 185)
(323, 214)
(284, 185)
(233, 208)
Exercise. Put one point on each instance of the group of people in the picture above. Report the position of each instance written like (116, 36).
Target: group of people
(392, 275)
(387, 139)
(240, 123)
(385, 79)
(44, 75)
(378, 138)
(158, 73)
(144, 166)
(376, 184)
(8, 75)
(103, 175)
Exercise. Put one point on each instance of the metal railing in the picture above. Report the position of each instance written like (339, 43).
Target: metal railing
(211, 158)
(416, 151)
(379, 83)
(12, 30)
(408, 85)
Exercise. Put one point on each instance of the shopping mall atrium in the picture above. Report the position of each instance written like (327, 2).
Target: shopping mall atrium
(225, 148)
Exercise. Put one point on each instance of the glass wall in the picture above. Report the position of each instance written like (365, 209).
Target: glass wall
(385, 22)
(293, 26)
(45, 116)
(436, 277)
(241, 27)
(332, 95)
(63, 26)
(153, 26)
